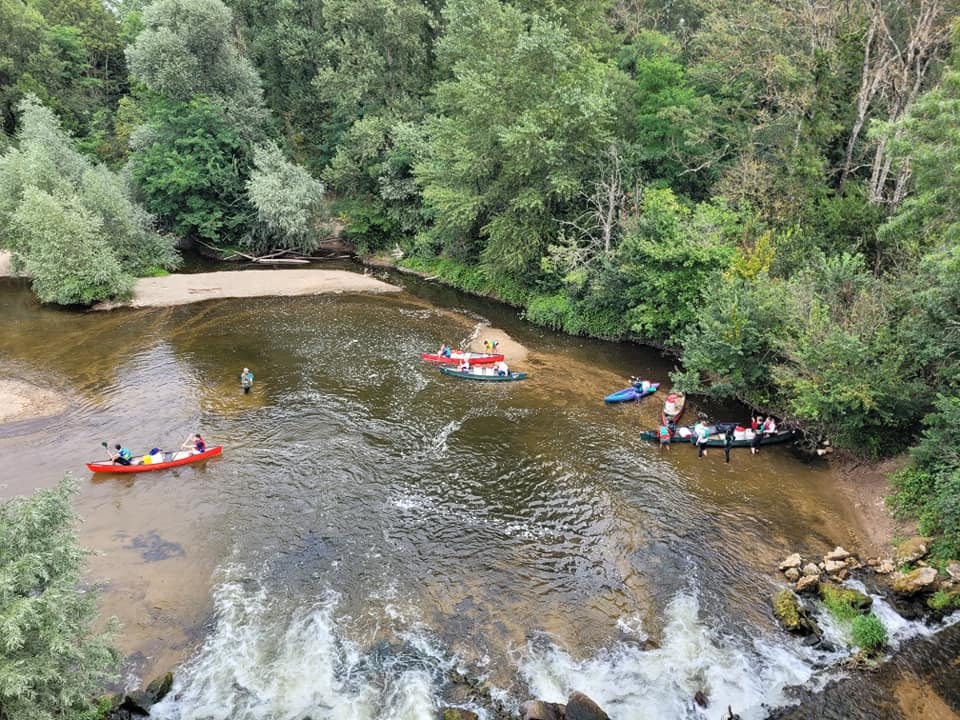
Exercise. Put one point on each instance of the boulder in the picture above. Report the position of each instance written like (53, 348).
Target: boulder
(834, 566)
(450, 713)
(807, 582)
(846, 596)
(792, 615)
(811, 569)
(540, 710)
(792, 561)
(139, 702)
(885, 567)
(792, 574)
(580, 707)
(953, 570)
(911, 550)
(917, 581)
(838, 553)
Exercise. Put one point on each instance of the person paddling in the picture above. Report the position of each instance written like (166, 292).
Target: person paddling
(122, 456)
(196, 444)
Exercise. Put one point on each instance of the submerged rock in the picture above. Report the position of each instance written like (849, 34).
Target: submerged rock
(580, 707)
(449, 713)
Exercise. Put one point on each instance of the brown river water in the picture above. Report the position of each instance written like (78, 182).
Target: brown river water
(372, 523)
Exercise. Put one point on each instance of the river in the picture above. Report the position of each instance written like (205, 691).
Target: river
(372, 524)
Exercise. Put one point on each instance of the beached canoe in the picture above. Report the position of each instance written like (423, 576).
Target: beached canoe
(686, 434)
(457, 356)
(137, 464)
(672, 408)
(634, 392)
(484, 374)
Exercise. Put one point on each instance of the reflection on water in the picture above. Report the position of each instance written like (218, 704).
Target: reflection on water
(522, 529)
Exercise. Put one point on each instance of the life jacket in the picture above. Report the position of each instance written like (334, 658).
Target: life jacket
(664, 432)
(125, 454)
(200, 446)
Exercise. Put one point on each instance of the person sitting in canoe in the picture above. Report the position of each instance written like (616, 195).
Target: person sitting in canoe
(246, 380)
(501, 368)
(445, 351)
(464, 364)
(196, 444)
(122, 456)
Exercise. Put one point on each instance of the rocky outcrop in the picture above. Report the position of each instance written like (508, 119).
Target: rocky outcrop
(137, 704)
(792, 615)
(837, 554)
(578, 707)
(909, 551)
(921, 580)
(845, 596)
(793, 561)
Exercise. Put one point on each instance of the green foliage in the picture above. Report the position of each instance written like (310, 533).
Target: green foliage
(844, 604)
(288, 202)
(70, 224)
(869, 633)
(526, 109)
(52, 660)
(187, 48)
(470, 278)
(929, 488)
(944, 601)
(191, 167)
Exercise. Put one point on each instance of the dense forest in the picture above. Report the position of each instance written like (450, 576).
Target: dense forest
(767, 188)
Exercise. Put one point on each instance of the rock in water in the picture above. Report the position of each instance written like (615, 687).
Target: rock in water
(920, 580)
(540, 710)
(580, 707)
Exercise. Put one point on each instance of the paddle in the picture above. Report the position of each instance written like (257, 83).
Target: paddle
(107, 449)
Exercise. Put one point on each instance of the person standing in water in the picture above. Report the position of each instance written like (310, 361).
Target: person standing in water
(727, 444)
(246, 380)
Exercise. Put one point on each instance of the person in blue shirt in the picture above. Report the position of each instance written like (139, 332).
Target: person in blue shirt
(246, 380)
(122, 456)
(196, 444)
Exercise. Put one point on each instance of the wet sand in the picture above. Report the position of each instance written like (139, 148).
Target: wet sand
(184, 289)
(21, 400)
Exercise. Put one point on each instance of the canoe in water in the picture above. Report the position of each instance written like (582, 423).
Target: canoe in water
(484, 374)
(634, 392)
(457, 356)
(672, 408)
(137, 464)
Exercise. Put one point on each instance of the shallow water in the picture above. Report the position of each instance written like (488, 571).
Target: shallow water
(373, 523)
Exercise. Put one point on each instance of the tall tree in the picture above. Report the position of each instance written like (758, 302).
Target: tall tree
(525, 111)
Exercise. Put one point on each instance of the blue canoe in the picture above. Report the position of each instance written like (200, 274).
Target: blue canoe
(634, 392)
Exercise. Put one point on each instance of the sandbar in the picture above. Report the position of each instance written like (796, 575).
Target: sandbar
(184, 289)
(21, 400)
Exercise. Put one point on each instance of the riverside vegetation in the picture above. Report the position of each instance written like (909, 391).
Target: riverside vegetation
(766, 188)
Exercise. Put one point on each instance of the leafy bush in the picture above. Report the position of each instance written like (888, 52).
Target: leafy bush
(869, 633)
(552, 311)
(52, 661)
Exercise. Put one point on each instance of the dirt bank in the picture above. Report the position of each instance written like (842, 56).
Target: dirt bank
(184, 289)
(866, 486)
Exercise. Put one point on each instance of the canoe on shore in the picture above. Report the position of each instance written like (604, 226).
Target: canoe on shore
(138, 464)
(634, 392)
(686, 434)
(484, 374)
(457, 356)
(672, 408)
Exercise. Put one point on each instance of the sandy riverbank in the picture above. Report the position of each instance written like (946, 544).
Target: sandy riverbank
(184, 289)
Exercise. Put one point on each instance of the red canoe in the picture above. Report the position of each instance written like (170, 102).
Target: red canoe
(183, 457)
(457, 356)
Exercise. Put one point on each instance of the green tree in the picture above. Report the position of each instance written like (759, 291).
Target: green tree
(188, 48)
(69, 223)
(53, 660)
(191, 167)
(288, 202)
(526, 110)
